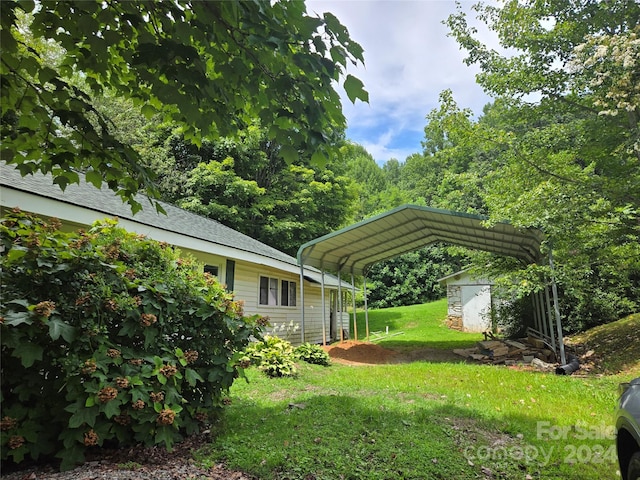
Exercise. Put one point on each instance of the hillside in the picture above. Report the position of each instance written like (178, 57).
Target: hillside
(611, 348)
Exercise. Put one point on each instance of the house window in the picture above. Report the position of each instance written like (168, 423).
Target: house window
(211, 269)
(288, 298)
(268, 291)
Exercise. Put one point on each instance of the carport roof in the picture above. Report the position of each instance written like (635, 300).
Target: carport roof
(409, 227)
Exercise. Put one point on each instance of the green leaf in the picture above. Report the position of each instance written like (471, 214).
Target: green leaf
(289, 154)
(355, 89)
(84, 416)
(192, 377)
(16, 318)
(111, 408)
(28, 354)
(148, 110)
(165, 435)
(318, 158)
(16, 253)
(93, 177)
(58, 328)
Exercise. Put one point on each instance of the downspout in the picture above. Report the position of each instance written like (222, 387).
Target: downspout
(302, 302)
(353, 300)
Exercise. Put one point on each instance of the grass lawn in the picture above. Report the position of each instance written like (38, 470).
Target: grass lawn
(419, 420)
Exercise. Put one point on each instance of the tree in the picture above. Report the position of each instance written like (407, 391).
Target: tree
(246, 184)
(376, 190)
(564, 131)
(450, 171)
(209, 67)
(411, 278)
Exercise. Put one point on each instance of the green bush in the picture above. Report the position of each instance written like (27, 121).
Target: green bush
(273, 355)
(312, 353)
(108, 337)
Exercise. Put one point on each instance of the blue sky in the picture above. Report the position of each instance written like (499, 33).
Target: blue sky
(409, 60)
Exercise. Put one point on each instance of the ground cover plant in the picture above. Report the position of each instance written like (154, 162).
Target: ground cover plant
(108, 337)
(420, 420)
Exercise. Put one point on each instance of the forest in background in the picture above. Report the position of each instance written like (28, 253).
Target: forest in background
(558, 149)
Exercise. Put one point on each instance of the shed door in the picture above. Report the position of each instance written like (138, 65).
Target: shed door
(476, 305)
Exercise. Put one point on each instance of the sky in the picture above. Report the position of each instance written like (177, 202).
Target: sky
(409, 61)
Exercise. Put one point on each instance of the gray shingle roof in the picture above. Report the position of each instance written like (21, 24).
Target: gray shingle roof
(105, 201)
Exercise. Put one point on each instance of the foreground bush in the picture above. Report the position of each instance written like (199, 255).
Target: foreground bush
(108, 337)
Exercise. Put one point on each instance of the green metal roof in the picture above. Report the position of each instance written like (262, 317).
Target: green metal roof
(409, 227)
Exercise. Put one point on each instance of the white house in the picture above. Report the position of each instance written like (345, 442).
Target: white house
(265, 279)
(469, 301)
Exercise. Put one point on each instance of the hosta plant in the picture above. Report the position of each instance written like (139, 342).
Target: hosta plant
(312, 353)
(108, 338)
(272, 355)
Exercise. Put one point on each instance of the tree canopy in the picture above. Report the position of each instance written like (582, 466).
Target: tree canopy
(558, 149)
(209, 67)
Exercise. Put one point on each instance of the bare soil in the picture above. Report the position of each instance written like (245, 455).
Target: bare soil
(353, 352)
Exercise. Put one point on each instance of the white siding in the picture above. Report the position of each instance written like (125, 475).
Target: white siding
(247, 289)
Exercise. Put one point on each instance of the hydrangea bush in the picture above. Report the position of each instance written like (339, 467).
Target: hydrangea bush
(108, 337)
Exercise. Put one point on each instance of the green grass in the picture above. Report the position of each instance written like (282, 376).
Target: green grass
(415, 326)
(419, 420)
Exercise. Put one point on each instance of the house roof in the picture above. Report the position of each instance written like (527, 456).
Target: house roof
(409, 227)
(104, 203)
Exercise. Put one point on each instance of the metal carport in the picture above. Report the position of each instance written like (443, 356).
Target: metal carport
(354, 249)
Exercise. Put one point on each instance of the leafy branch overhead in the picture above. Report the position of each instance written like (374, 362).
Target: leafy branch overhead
(209, 67)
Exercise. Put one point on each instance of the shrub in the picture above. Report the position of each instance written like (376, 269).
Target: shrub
(312, 353)
(108, 337)
(273, 355)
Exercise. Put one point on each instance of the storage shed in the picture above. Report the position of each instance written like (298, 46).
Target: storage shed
(469, 302)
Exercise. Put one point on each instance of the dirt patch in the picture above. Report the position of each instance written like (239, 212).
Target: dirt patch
(353, 352)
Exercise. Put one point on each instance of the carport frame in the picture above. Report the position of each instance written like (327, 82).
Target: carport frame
(409, 227)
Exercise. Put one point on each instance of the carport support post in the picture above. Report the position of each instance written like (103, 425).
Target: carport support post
(366, 309)
(556, 307)
(353, 301)
(302, 302)
(543, 320)
(550, 317)
(340, 303)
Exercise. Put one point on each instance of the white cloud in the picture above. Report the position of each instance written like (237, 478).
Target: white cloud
(409, 60)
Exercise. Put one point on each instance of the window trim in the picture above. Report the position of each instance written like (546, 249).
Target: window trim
(268, 296)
